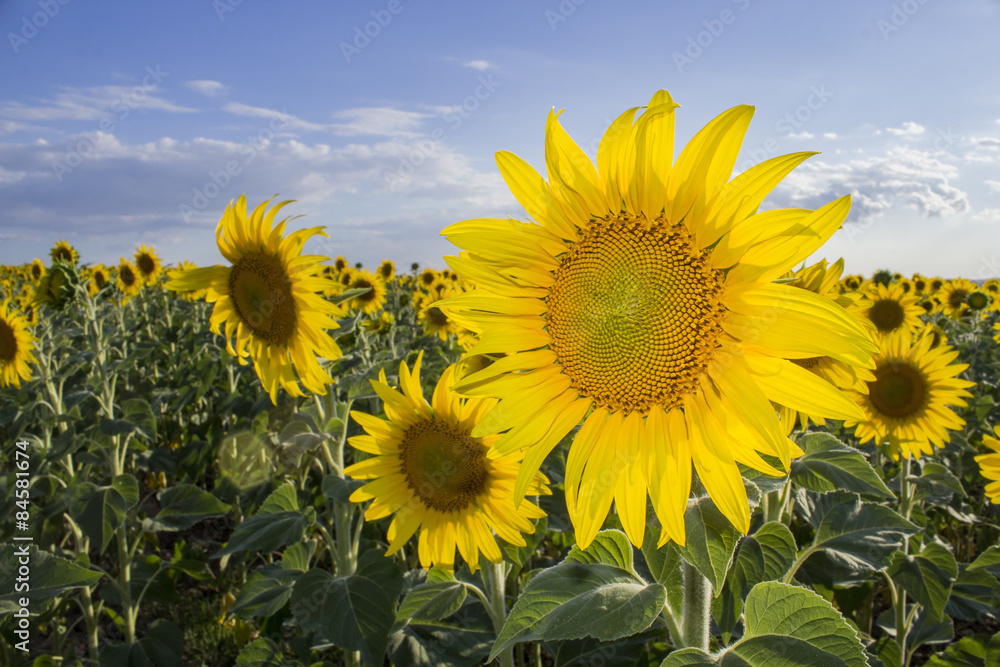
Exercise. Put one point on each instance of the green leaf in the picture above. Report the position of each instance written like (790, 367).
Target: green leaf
(989, 560)
(50, 576)
(266, 591)
(464, 641)
(610, 547)
(353, 613)
(282, 499)
(99, 513)
(339, 489)
(936, 481)
(432, 601)
(267, 532)
(574, 600)
(137, 412)
(183, 506)
(624, 652)
(163, 646)
(859, 536)
(764, 556)
(689, 657)
(829, 465)
(969, 651)
(976, 593)
(927, 577)
(261, 652)
(711, 541)
(128, 487)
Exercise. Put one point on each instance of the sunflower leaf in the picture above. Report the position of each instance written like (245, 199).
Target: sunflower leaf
(183, 506)
(711, 541)
(829, 465)
(927, 577)
(50, 576)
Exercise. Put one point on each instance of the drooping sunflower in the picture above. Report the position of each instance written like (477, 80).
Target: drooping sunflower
(642, 299)
(148, 263)
(989, 466)
(128, 280)
(371, 301)
(62, 251)
(892, 311)
(268, 299)
(907, 406)
(16, 345)
(37, 270)
(436, 476)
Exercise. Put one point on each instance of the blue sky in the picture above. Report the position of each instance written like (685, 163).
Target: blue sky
(136, 122)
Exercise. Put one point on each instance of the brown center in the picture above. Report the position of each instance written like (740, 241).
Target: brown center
(444, 465)
(899, 389)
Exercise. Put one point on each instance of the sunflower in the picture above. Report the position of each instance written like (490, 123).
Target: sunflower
(62, 251)
(978, 301)
(954, 294)
(427, 278)
(149, 265)
(37, 270)
(386, 270)
(892, 311)
(907, 404)
(989, 466)
(340, 264)
(267, 299)
(372, 300)
(643, 300)
(129, 282)
(191, 295)
(436, 322)
(16, 343)
(434, 474)
(98, 278)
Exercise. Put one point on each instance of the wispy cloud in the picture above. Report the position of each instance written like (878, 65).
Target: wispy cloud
(90, 103)
(908, 129)
(481, 65)
(208, 88)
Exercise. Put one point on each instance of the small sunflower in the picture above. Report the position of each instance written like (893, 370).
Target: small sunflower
(436, 322)
(62, 251)
(37, 270)
(436, 476)
(642, 302)
(128, 280)
(371, 301)
(907, 404)
(190, 295)
(98, 278)
(149, 265)
(954, 294)
(989, 465)
(16, 344)
(268, 299)
(892, 311)
(427, 278)
(386, 270)
(340, 264)
(979, 301)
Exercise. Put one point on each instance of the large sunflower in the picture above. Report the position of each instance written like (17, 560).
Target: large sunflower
(433, 473)
(149, 265)
(989, 466)
(907, 405)
(267, 299)
(16, 343)
(642, 298)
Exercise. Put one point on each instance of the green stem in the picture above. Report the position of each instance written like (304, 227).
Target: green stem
(125, 585)
(696, 595)
(496, 579)
(899, 593)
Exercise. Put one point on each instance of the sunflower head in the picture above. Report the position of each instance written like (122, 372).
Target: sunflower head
(431, 470)
(16, 345)
(340, 264)
(371, 301)
(268, 299)
(37, 270)
(989, 465)
(148, 264)
(62, 251)
(386, 270)
(978, 300)
(57, 287)
(882, 277)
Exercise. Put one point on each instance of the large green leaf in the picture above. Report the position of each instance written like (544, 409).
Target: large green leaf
(268, 532)
(979, 650)
(989, 560)
(860, 536)
(711, 541)
(432, 601)
(611, 547)
(927, 577)
(261, 652)
(763, 556)
(976, 593)
(829, 465)
(577, 599)
(162, 646)
(50, 576)
(353, 613)
(99, 513)
(624, 652)
(183, 506)
(465, 639)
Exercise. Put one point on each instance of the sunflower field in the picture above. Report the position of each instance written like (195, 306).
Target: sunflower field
(645, 426)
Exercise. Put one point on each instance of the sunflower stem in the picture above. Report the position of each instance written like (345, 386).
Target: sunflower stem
(696, 595)
(496, 578)
(899, 594)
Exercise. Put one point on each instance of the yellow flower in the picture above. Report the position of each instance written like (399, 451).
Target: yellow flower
(892, 311)
(907, 404)
(436, 476)
(191, 295)
(37, 270)
(16, 344)
(643, 300)
(386, 270)
(128, 280)
(267, 299)
(99, 277)
(372, 300)
(989, 466)
(149, 265)
(954, 294)
(62, 251)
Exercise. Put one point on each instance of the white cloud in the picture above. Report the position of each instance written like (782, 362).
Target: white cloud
(916, 179)
(829, 135)
(986, 215)
(208, 88)
(801, 135)
(376, 121)
(994, 187)
(909, 129)
(91, 103)
(480, 65)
